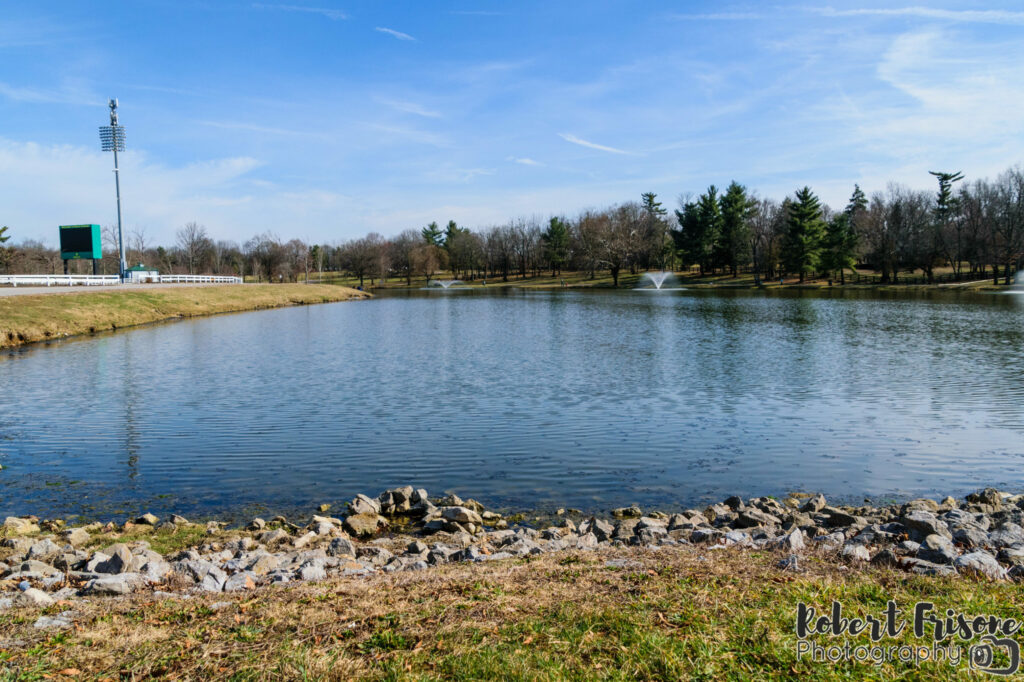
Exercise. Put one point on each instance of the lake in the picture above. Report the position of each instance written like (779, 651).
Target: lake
(523, 399)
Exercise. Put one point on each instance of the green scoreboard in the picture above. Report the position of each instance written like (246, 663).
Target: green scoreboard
(80, 241)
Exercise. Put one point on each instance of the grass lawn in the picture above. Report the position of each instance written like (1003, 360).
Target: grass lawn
(672, 614)
(26, 319)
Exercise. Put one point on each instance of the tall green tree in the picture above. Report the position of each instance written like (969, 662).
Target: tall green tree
(805, 230)
(432, 234)
(451, 233)
(945, 235)
(839, 246)
(556, 244)
(6, 252)
(652, 206)
(734, 243)
(700, 228)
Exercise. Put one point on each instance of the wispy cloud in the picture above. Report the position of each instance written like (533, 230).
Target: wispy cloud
(718, 16)
(980, 16)
(393, 32)
(592, 145)
(44, 96)
(254, 128)
(410, 108)
(332, 14)
(524, 161)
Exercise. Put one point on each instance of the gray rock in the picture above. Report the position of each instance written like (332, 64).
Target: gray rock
(256, 524)
(814, 504)
(461, 515)
(241, 582)
(304, 540)
(1012, 555)
(378, 556)
(147, 519)
(364, 505)
(982, 564)
(971, 537)
(120, 560)
(928, 568)
(207, 576)
(921, 524)
(312, 571)
(123, 583)
(856, 552)
(602, 530)
(885, 558)
(61, 621)
(76, 536)
(43, 549)
(416, 547)
(792, 541)
(736, 537)
(1006, 535)
(937, 550)
(752, 517)
(341, 547)
(364, 525)
(34, 566)
(989, 496)
(33, 597)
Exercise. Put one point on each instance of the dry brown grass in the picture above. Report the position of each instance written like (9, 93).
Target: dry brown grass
(673, 614)
(33, 318)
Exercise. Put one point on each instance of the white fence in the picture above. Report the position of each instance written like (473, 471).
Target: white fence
(198, 279)
(106, 280)
(59, 280)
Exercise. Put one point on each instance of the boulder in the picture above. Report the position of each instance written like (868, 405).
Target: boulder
(921, 524)
(989, 496)
(33, 597)
(365, 525)
(147, 519)
(793, 541)
(937, 550)
(461, 515)
(119, 561)
(240, 582)
(627, 512)
(43, 549)
(76, 536)
(341, 547)
(274, 537)
(364, 505)
(856, 552)
(814, 504)
(124, 583)
(752, 517)
(19, 526)
(1007, 535)
(981, 564)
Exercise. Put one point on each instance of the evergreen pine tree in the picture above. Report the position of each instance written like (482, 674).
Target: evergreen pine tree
(734, 244)
(840, 243)
(432, 234)
(801, 249)
(556, 244)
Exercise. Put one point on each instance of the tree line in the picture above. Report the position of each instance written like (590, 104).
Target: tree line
(968, 229)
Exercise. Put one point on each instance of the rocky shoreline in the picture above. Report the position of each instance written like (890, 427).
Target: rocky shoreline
(42, 563)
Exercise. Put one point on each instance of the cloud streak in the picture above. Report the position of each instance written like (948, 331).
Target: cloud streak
(592, 145)
(332, 14)
(986, 16)
(525, 161)
(394, 33)
(411, 108)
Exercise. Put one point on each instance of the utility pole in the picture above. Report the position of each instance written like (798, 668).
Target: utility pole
(112, 139)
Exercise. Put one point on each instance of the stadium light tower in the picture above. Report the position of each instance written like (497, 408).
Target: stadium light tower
(112, 140)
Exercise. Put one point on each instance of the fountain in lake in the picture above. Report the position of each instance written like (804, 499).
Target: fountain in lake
(444, 283)
(657, 278)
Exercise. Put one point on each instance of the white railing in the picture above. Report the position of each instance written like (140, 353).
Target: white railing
(59, 280)
(198, 279)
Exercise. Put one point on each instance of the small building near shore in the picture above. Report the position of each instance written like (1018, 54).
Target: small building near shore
(141, 273)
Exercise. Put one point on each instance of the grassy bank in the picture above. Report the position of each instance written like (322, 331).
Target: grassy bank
(671, 614)
(28, 319)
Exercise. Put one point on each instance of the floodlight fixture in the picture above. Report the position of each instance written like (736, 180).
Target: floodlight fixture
(112, 140)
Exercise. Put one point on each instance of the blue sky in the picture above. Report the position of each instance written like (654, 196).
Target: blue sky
(327, 120)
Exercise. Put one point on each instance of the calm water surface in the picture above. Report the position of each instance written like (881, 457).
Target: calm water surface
(522, 399)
